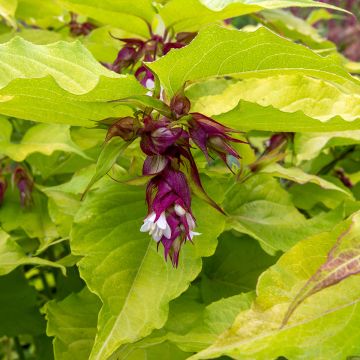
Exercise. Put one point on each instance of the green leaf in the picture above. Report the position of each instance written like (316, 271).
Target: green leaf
(214, 320)
(197, 13)
(7, 11)
(299, 176)
(319, 14)
(343, 261)
(306, 104)
(257, 117)
(12, 256)
(164, 350)
(119, 264)
(308, 146)
(260, 208)
(72, 323)
(218, 52)
(144, 101)
(326, 318)
(36, 36)
(18, 307)
(296, 29)
(107, 158)
(42, 138)
(34, 220)
(125, 14)
(40, 13)
(60, 83)
(234, 268)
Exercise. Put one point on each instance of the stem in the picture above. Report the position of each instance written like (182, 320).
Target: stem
(332, 164)
(47, 289)
(19, 349)
(8, 348)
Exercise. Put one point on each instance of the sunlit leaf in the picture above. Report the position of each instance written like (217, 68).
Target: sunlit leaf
(60, 83)
(343, 261)
(218, 52)
(197, 13)
(106, 233)
(326, 318)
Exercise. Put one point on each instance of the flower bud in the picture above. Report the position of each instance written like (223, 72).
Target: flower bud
(3, 187)
(24, 184)
(124, 127)
(158, 136)
(180, 105)
(211, 136)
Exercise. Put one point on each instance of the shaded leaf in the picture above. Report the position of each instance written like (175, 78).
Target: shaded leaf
(234, 268)
(18, 307)
(260, 208)
(13, 256)
(42, 138)
(110, 152)
(72, 323)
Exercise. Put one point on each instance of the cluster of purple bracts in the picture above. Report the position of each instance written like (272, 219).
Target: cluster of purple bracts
(78, 29)
(170, 165)
(136, 50)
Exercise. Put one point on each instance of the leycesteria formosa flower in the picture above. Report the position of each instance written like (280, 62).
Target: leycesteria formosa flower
(24, 184)
(170, 165)
(213, 137)
(140, 51)
(169, 219)
(3, 187)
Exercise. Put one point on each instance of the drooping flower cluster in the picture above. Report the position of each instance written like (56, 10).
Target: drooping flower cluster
(169, 163)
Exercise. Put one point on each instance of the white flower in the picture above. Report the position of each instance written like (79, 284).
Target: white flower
(180, 211)
(156, 228)
(192, 234)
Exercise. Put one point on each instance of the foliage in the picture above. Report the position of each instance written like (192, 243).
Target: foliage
(228, 130)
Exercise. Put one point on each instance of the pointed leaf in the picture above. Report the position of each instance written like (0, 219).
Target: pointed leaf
(343, 261)
(197, 13)
(299, 176)
(125, 14)
(72, 323)
(119, 263)
(305, 103)
(12, 256)
(60, 83)
(109, 154)
(42, 138)
(144, 101)
(218, 52)
(318, 329)
(261, 208)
